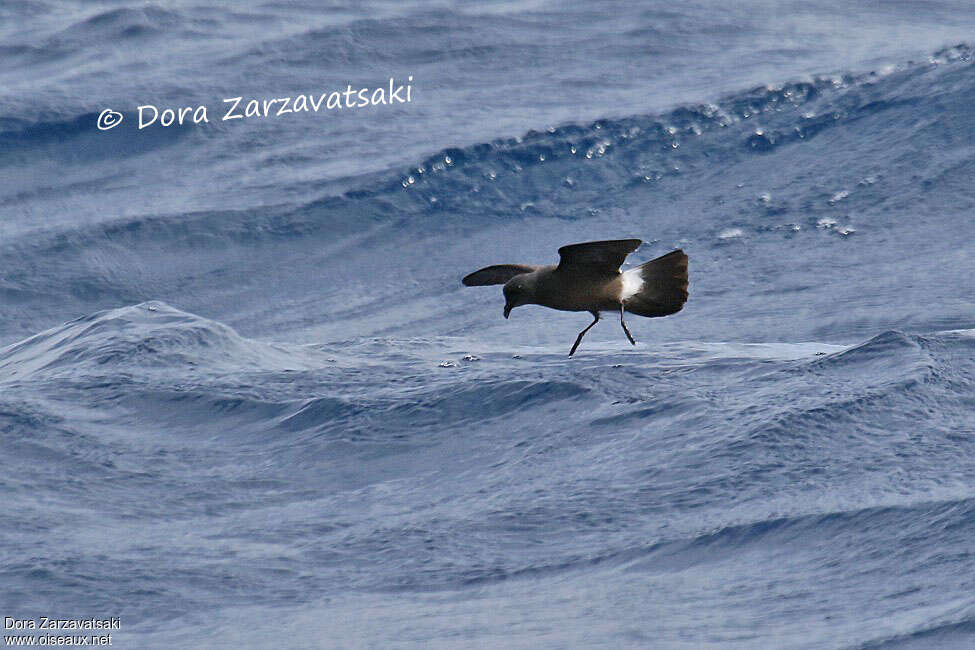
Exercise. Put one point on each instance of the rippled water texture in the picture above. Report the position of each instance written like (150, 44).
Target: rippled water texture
(246, 402)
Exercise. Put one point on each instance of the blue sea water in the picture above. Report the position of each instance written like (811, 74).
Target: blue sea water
(245, 401)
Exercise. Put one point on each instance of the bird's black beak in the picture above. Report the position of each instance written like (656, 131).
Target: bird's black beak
(507, 310)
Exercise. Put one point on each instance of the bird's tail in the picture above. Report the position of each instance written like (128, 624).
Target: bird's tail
(658, 287)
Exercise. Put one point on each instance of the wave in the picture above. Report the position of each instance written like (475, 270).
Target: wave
(831, 403)
(955, 632)
(74, 139)
(604, 156)
(122, 23)
(148, 337)
(695, 550)
(137, 27)
(193, 373)
(635, 174)
(636, 466)
(611, 154)
(796, 444)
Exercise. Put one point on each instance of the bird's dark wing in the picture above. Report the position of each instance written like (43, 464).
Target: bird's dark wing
(497, 274)
(599, 256)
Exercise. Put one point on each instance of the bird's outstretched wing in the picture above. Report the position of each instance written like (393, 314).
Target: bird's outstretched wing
(600, 256)
(497, 274)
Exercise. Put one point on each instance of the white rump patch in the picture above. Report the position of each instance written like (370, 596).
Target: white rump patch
(632, 283)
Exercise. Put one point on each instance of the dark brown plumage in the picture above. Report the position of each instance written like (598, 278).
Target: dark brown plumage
(587, 278)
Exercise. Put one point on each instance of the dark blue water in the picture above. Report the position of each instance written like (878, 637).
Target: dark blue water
(246, 402)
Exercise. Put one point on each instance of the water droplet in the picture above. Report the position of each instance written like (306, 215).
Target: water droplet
(839, 196)
(448, 160)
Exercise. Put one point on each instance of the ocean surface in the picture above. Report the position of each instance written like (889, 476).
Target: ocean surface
(245, 401)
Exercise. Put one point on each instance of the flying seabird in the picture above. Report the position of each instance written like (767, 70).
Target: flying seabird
(588, 278)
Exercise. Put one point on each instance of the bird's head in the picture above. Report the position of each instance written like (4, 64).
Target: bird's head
(517, 291)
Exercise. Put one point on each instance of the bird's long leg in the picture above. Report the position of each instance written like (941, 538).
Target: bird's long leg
(623, 323)
(595, 317)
